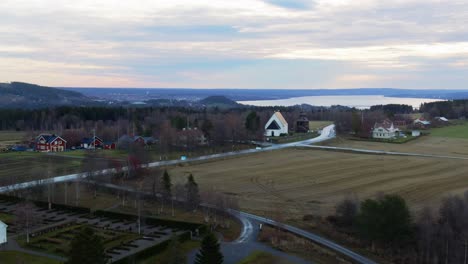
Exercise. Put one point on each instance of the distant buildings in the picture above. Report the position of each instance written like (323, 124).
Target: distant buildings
(125, 141)
(92, 143)
(276, 126)
(385, 130)
(191, 137)
(49, 143)
(421, 123)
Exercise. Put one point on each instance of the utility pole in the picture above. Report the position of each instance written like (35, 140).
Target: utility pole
(94, 139)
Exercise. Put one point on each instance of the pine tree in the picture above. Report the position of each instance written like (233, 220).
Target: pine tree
(209, 252)
(193, 196)
(167, 185)
(176, 254)
(86, 247)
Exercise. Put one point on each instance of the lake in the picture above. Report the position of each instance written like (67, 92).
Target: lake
(358, 101)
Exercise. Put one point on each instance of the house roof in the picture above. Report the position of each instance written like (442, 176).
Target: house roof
(387, 124)
(90, 140)
(441, 118)
(49, 138)
(3, 224)
(422, 121)
(281, 118)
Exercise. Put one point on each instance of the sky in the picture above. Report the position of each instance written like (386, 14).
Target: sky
(418, 44)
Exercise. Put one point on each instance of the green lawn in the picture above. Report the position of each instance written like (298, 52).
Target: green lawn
(453, 131)
(14, 257)
(163, 257)
(314, 125)
(6, 218)
(260, 257)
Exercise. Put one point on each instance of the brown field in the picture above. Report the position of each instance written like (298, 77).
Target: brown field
(304, 182)
(424, 144)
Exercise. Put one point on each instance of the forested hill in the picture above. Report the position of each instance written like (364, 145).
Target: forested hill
(219, 101)
(25, 95)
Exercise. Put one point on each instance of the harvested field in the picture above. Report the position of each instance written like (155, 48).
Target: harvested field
(312, 181)
(425, 144)
(26, 166)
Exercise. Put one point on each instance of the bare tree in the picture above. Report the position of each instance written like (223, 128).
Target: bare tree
(25, 217)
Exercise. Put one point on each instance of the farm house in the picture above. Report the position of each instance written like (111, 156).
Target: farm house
(385, 130)
(276, 126)
(48, 142)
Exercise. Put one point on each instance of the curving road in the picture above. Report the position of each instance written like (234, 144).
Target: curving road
(248, 233)
(327, 133)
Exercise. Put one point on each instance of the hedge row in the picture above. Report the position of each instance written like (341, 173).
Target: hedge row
(151, 251)
(64, 207)
(43, 204)
(153, 221)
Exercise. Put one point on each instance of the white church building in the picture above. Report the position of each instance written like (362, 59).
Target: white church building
(3, 233)
(276, 126)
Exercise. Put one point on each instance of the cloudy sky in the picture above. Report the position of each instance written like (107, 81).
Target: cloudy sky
(235, 44)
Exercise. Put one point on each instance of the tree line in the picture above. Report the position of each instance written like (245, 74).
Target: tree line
(386, 225)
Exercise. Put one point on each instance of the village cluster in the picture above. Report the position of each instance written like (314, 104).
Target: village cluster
(388, 129)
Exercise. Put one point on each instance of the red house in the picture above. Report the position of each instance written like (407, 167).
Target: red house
(49, 143)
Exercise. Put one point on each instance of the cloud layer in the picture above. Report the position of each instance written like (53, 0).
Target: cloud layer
(242, 43)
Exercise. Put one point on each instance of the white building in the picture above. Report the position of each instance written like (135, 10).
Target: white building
(385, 130)
(276, 126)
(441, 119)
(3, 233)
(415, 133)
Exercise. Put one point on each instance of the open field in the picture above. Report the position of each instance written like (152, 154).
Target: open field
(21, 257)
(25, 166)
(9, 137)
(453, 131)
(260, 257)
(163, 257)
(314, 125)
(305, 181)
(424, 145)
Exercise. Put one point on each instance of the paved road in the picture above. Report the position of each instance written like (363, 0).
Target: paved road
(308, 235)
(327, 133)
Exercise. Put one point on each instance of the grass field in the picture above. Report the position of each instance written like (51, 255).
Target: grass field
(25, 166)
(7, 218)
(302, 182)
(260, 257)
(314, 125)
(424, 144)
(453, 131)
(13, 257)
(163, 257)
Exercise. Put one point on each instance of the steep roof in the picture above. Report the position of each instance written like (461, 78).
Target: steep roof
(49, 138)
(281, 118)
(387, 124)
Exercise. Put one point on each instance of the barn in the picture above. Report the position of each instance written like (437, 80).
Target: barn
(50, 143)
(276, 126)
(3, 233)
